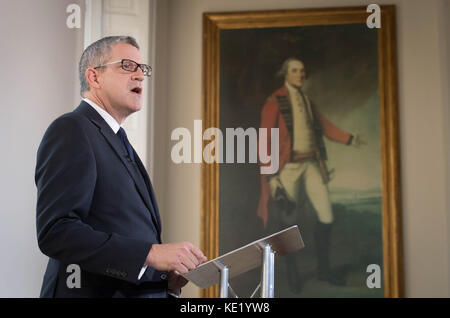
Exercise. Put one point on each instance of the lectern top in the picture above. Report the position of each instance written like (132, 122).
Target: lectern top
(245, 258)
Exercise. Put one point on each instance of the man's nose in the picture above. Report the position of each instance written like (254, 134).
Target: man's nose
(138, 75)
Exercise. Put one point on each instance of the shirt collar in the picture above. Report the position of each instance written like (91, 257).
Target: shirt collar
(105, 115)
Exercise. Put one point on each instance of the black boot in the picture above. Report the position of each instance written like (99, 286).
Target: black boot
(293, 276)
(322, 238)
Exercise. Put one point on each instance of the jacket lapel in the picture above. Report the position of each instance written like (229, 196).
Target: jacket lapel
(150, 190)
(115, 143)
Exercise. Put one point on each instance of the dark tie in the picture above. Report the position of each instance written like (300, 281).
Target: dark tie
(137, 172)
(123, 136)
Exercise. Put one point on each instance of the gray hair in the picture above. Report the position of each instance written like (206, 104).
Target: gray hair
(99, 53)
(285, 67)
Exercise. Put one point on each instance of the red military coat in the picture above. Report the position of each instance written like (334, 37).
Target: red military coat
(271, 117)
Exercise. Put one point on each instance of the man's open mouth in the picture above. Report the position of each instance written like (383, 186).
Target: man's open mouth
(137, 90)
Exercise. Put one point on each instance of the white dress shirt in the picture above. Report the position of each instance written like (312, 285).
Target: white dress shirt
(115, 127)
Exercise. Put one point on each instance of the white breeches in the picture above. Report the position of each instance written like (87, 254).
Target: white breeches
(291, 177)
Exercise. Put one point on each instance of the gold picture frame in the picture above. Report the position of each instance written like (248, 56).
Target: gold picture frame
(214, 23)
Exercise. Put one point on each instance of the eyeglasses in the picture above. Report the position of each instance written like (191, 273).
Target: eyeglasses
(131, 66)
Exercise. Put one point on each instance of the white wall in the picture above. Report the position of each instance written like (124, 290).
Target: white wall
(37, 83)
(423, 83)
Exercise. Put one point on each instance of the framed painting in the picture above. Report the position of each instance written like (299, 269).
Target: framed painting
(318, 89)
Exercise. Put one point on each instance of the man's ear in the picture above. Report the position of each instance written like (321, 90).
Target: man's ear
(92, 78)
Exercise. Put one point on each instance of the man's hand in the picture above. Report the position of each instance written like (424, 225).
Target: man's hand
(180, 257)
(358, 141)
(275, 184)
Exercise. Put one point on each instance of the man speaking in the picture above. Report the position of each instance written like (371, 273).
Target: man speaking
(96, 207)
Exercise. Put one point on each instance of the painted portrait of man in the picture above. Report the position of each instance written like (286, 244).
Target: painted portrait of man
(302, 165)
(318, 85)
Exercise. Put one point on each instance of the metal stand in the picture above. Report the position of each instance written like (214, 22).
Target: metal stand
(268, 271)
(223, 284)
(258, 253)
(267, 283)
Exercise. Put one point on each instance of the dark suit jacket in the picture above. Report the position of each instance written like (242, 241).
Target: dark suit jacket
(96, 209)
